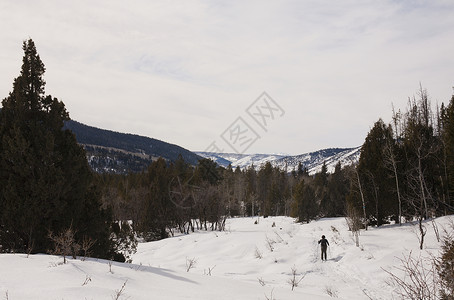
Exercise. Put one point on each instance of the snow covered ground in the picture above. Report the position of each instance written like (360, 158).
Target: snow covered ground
(247, 261)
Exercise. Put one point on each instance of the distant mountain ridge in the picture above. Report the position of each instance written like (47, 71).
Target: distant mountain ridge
(313, 161)
(115, 152)
(121, 153)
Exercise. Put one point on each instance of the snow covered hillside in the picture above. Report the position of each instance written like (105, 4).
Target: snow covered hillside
(313, 161)
(247, 261)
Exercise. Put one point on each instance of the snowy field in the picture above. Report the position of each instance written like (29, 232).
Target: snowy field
(247, 261)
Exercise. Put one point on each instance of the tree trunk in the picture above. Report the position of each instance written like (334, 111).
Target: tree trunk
(362, 198)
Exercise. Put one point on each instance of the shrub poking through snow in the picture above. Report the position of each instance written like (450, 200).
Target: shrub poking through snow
(258, 254)
(190, 263)
(419, 279)
(295, 280)
(119, 293)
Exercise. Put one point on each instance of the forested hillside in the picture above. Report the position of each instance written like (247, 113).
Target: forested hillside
(115, 152)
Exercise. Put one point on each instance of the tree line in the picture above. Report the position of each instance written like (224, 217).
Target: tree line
(171, 196)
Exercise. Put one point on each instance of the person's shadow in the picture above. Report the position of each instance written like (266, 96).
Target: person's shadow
(335, 259)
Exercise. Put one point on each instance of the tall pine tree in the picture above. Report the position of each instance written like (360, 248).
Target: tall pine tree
(378, 185)
(448, 139)
(45, 181)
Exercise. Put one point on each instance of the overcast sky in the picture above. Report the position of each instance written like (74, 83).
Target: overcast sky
(193, 73)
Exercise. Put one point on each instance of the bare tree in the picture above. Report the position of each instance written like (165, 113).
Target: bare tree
(253, 200)
(354, 222)
(357, 182)
(182, 195)
(64, 243)
(418, 278)
(375, 190)
(420, 193)
(87, 244)
(390, 162)
(421, 147)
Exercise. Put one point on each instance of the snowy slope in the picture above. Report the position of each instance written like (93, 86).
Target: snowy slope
(313, 161)
(159, 269)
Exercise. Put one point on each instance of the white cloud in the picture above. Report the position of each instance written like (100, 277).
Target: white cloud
(183, 71)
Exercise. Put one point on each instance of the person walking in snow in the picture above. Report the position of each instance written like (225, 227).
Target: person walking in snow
(324, 245)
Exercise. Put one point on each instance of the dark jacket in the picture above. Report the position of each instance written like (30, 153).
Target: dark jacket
(324, 242)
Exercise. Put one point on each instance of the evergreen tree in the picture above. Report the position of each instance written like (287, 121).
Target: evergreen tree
(207, 170)
(158, 211)
(448, 141)
(337, 192)
(378, 187)
(264, 183)
(251, 191)
(445, 267)
(302, 170)
(320, 185)
(304, 196)
(321, 178)
(45, 181)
